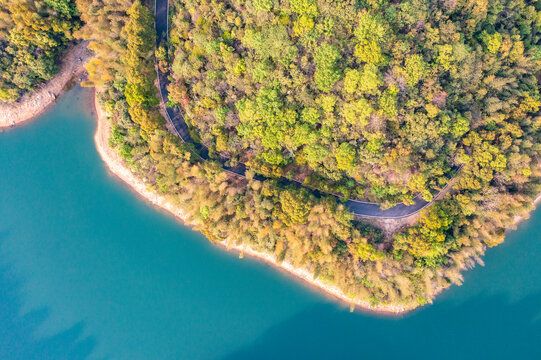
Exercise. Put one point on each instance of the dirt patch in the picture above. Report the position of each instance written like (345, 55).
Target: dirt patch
(390, 226)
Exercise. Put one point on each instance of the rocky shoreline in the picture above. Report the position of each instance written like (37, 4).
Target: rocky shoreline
(33, 104)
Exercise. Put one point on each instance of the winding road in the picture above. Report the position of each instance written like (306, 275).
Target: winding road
(176, 119)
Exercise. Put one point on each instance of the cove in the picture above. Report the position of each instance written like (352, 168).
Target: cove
(90, 271)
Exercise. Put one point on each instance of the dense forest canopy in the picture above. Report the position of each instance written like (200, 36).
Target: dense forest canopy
(371, 99)
(32, 36)
(375, 99)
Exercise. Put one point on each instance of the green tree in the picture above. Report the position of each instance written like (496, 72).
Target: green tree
(140, 91)
(327, 73)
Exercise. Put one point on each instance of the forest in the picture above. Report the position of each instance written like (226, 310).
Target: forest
(33, 35)
(372, 99)
(368, 99)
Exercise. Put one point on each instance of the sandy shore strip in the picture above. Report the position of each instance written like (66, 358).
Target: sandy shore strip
(116, 165)
(520, 218)
(34, 103)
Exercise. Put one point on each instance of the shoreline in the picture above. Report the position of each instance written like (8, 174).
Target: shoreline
(520, 218)
(35, 103)
(116, 166)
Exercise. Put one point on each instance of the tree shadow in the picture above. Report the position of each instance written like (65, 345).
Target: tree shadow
(480, 328)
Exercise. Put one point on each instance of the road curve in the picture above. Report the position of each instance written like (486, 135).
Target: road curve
(176, 119)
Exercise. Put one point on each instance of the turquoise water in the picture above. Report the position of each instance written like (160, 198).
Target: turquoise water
(90, 271)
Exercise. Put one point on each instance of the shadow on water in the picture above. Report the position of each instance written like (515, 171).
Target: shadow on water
(18, 330)
(480, 328)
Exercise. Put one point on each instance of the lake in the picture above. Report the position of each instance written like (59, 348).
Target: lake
(88, 270)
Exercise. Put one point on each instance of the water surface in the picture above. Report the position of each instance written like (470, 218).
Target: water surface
(90, 271)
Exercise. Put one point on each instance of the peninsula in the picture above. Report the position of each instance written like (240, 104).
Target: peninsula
(372, 148)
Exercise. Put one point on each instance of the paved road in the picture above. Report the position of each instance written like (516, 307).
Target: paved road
(176, 119)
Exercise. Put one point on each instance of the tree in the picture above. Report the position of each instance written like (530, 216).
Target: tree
(140, 91)
(294, 207)
(262, 5)
(32, 36)
(66, 7)
(415, 69)
(345, 156)
(327, 74)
